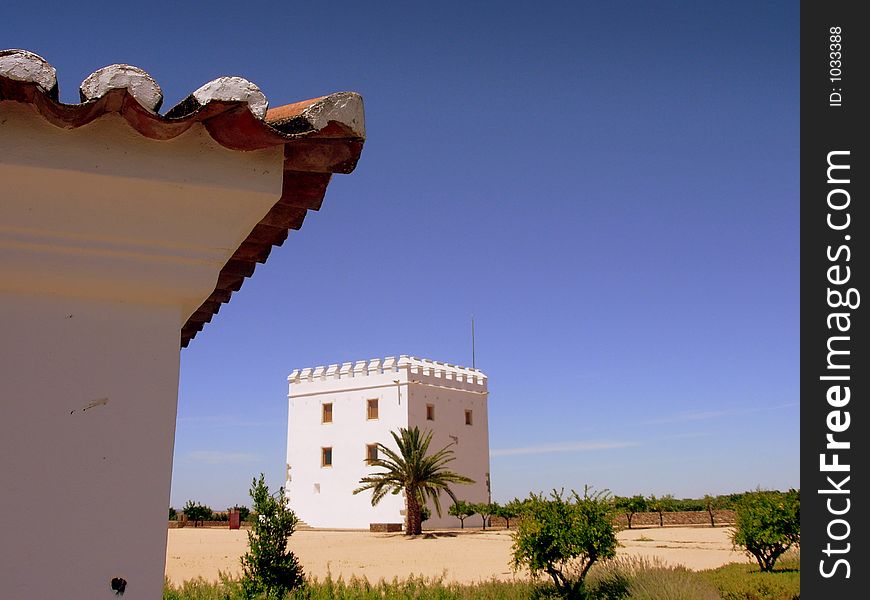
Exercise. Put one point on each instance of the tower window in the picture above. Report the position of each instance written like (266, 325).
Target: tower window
(326, 457)
(430, 412)
(469, 420)
(327, 413)
(372, 409)
(371, 453)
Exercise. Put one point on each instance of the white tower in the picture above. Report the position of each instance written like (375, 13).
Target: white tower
(338, 413)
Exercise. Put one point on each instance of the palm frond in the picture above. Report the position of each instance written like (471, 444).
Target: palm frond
(412, 470)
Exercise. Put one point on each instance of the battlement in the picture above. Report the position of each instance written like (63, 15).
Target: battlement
(419, 370)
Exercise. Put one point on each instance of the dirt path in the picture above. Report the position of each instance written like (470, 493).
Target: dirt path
(457, 555)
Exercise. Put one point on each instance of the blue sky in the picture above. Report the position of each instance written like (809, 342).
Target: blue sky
(610, 188)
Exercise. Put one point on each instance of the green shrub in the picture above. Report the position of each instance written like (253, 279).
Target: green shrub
(564, 538)
(270, 569)
(660, 582)
(688, 505)
(730, 501)
(744, 581)
(196, 512)
(609, 580)
(200, 589)
(767, 524)
(640, 578)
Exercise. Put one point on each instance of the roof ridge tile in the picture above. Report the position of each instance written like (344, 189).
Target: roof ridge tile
(136, 81)
(28, 67)
(222, 89)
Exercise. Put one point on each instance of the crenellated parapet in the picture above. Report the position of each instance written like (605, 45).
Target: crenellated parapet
(418, 370)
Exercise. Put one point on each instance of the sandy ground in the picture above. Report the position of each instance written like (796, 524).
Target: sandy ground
(458, 555)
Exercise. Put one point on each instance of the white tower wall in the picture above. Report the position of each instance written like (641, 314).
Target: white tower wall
(321, 494)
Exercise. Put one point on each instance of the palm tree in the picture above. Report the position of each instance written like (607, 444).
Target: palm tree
(421, 477)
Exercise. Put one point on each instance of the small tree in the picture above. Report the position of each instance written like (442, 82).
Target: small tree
(630, 506)
(485, 510)
(711, 503)
(661, 506)
(509, 511)
(461, 510)
(173, 514)
(269, 568)
(196, 512)
(564, 538)
(768, 524)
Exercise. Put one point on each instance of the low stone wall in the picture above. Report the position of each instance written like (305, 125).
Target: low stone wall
(648, 519)
(209, 524)
(385, 527)
(695, 518)
(701, 518)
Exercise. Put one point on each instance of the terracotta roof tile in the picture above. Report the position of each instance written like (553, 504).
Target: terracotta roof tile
(320, 136)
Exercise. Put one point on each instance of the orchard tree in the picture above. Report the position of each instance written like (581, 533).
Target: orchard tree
(661, 506)
(711, 503)
(564, 537)
(767, 524)
(196, 512)
(509, 511)
(486, 510)
(630, 506)
(461, 510)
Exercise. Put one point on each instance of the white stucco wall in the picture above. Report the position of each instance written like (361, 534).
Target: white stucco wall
(109, 241)
(322, 496)
(89, 399)
(450, 399)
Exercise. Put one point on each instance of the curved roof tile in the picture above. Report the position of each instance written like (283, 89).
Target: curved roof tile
(320, 136)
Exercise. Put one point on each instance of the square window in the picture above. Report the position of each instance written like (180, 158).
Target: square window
(327, 413)
(371, 453)
(326, 457)
(372, 409)
(468, 418)
(430, 412)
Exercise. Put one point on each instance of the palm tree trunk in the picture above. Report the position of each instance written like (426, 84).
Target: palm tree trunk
(413, 514)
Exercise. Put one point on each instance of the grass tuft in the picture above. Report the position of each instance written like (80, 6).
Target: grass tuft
(744, 581)
(643, 578)
(360, 588)
(624, 578)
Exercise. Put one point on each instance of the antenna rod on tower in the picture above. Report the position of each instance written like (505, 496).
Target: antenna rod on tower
(472, 343)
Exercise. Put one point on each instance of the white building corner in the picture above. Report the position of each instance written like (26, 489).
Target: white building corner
(338, 413)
